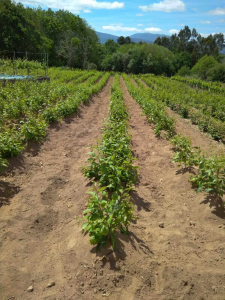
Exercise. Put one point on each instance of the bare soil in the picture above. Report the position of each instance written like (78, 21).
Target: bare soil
(43, 195)
(198, 138)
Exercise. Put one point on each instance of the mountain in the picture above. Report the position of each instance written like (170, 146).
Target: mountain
(137, 37)
(105, 37)
(149, 37)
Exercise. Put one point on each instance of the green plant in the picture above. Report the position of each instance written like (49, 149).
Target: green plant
(3, 163)
(11, 143)
(105, 214)
(111, 164)
(154, 110)
(34, 128)
(184, 153)
(211, 175)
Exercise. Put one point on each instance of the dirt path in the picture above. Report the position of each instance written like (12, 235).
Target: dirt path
(40, 238)
(179, 261)
(198, 138)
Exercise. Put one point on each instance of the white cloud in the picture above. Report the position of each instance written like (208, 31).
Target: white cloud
(139, 25)
(221, 21)
(87, 11)
(218, 11)
(74, 6)
(130, 29)
(205, 22)
(152, 29)
(205, 34)
(139, 15)
(165, 5)
(173, 31)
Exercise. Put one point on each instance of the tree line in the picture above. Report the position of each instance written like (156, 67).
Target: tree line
(71, 42)
(68, 39)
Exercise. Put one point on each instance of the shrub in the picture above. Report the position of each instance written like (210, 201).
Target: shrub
(184, 71)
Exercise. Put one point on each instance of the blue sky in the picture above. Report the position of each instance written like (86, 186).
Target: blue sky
(155, 16)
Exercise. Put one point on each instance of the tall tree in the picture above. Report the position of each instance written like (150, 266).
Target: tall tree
(121, 40)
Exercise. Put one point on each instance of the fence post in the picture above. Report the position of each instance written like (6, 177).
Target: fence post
(14, 57)
(47, 64)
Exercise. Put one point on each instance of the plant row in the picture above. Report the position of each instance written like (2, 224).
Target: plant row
(209, 116)
(210, 170)
(111, 165)
(210, 103)
(32, 124)
(154, 110)
(216, 87)
(210, 175)
(22, 98)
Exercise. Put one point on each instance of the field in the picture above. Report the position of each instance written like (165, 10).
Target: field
(139, 214)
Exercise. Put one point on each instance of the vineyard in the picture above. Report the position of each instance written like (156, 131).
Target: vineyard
(112, 185)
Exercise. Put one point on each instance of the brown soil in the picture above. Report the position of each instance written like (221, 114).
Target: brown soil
(134, 82)
(198, 138)
(44, 193)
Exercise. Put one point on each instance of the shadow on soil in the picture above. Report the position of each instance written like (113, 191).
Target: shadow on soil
(183, 171)
(139, 202)
(217, 203)
(7, 191)
(107, 255)
(17, 163)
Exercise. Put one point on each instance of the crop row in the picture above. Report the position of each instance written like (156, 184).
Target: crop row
(216, 87)
(25, 119)
(210, 103)
(68, 75)
(22, 98)
(208, 113)
(154, 110)
(111, 165)
(210, 170)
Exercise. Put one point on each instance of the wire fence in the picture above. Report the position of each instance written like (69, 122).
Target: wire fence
(23, 63)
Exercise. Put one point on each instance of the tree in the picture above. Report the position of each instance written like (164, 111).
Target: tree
(37, 30)
(190, 41)
(121, 40)
(17, 32)
(127, 40)
(216, 73)
(184, 71)
(202, 67)
(111, 46)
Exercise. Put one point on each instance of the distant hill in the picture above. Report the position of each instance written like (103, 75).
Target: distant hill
(149, 37)
(137, 37)
(105, 37)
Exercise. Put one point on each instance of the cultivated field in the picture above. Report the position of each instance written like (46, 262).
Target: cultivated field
(155, 177)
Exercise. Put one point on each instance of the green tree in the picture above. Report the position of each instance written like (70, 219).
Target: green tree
(127, 40)
(111, 46)
(203, 65)
(121, 40)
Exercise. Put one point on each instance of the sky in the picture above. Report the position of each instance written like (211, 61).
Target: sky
(134, 16)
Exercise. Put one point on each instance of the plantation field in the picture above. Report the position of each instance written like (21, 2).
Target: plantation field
(147, 195)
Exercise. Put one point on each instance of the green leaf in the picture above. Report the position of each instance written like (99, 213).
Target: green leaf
(84, 226)
(199, 189)
(105, 230)
(93, 240)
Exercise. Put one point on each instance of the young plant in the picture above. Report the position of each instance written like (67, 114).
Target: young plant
(105, 214)
(211, 175)
(184, 153)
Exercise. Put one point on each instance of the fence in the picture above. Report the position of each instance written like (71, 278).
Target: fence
(24, 64)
